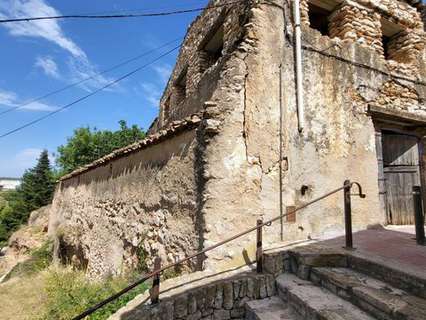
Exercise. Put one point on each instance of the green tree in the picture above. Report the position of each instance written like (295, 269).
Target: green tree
(35, 191)
(86, 145)
(38, 184)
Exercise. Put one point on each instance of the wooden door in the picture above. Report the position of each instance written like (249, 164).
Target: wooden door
(401, 171)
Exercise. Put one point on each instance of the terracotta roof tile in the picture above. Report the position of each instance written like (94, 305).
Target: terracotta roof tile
(172, 129)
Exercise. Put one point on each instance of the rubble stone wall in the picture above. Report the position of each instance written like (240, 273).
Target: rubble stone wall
(406, 46)
(120, 215)
(248, 155)
(201, 72)
(244, 163)
(353, 23)
(361, 22)
(222, 299)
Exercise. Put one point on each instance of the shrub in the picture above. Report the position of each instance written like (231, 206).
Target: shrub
(142, 255)
(39, 260)
(69, 293)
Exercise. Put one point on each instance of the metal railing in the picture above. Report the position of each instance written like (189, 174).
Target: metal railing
(419, 219)
(155, 274)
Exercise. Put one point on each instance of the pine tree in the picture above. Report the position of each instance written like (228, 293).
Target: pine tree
(38, 184)
(35, 191)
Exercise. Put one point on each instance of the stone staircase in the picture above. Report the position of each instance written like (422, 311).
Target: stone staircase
(339, 286)
(384, 279)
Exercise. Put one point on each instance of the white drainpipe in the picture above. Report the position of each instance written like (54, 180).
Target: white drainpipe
(299, 71)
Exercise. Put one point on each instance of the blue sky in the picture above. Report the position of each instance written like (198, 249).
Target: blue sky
(39, 57)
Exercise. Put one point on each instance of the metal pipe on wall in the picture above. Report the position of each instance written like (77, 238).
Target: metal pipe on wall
(281, 154)
(299, 70)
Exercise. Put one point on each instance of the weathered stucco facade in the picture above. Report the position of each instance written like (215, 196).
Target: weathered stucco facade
(244, 157)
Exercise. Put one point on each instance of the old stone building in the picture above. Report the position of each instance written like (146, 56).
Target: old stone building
(233, 143)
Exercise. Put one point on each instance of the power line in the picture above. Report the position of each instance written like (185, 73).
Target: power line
(148, 9)
(116, 16)
(88, 78)
(88, 95)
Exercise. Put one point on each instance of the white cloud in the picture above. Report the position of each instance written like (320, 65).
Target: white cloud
(163, 72)
(27, 158)
(81, 68)
(46, 29)
(10, 99)
(38, 106)
(21, 160)
(7, 98)
(48, 65)
(50, 30)
(152, 93)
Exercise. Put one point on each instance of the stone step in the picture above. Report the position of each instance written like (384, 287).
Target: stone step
(268, 309)
(374, 296)
(390, 272)
(311, 302)
(301, 260)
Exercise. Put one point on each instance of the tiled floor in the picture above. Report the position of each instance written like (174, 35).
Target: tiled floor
(396, 248)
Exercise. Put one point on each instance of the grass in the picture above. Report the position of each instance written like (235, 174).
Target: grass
(22, 299)
(60, 293)
(39, 260)
(37, 290)
(69, 293)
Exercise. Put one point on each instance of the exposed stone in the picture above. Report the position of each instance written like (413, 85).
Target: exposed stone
(181, 306)
(228, 296)
(221, 315)
(195, 180)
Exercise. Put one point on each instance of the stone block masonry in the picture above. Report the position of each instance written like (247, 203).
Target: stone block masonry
(357, 24)
(216, 300)
(363, 22)
(406, 46)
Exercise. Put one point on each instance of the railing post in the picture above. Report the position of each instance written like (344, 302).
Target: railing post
(259, 251)
(348, 214)
(155, 290)
(418, 215)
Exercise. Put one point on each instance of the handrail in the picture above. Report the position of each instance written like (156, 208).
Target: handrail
(346, 187)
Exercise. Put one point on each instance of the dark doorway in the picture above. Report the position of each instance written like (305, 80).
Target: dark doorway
(401, 169)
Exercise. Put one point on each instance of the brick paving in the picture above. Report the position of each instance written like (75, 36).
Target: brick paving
(395, 248)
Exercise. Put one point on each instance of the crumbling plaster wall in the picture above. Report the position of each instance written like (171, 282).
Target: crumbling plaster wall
(201, 74)
(341, 78)
(152, 198)
(247, 142)
(338, 142)
(138, 206)
(242, 157)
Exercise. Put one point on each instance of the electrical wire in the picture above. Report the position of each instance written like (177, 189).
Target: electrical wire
(88, 95)
(89, 78)
(116, 16)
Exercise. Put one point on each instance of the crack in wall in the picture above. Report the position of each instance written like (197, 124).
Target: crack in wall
(245, 135)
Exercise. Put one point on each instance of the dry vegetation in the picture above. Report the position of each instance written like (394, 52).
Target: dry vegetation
(59, 293)
(23, 299)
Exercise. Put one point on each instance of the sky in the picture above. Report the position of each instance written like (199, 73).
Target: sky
(39, 57)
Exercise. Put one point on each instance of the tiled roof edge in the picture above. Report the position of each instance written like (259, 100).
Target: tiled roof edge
(171, 130)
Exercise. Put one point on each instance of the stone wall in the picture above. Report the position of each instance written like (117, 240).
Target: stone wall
(244, 160)
(120, 214)
(364, 21)
(201, 71)
(341, 78)
(247, 158)
(221, 299)
(354, 23)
